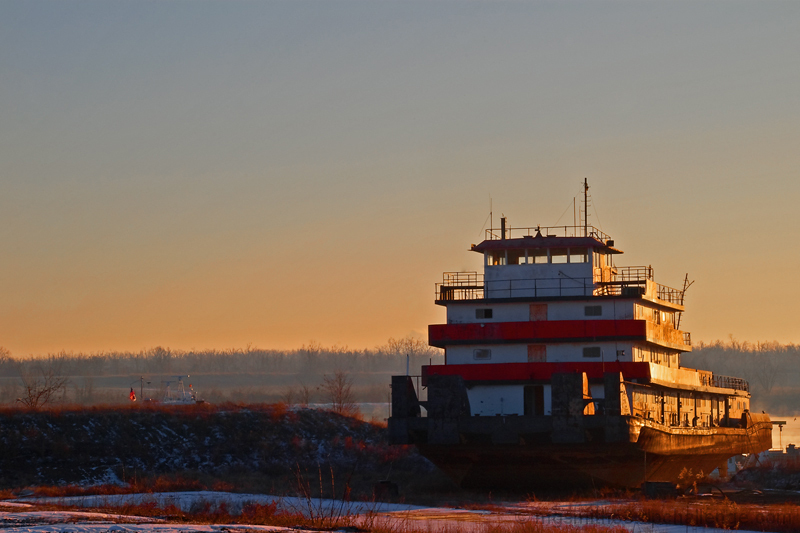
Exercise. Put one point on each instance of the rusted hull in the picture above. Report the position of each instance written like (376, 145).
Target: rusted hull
(653, 453)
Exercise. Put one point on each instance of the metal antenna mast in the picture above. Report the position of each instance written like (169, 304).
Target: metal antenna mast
(585, 207)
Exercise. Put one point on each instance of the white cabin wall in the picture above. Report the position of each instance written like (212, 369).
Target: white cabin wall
(501, 353)
(548, 400)
(491, 400)
(556, 353)
(597, 390)
(562, 279)
(515, 312)
(612, 310)
(465, 314)
(572, 352)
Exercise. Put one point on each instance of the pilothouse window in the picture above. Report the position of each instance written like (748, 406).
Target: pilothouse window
(496, 258)
(537, 256)
(516, 257)
(558, 255)
(578, 255)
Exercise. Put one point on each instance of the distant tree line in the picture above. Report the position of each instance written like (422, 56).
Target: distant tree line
(312, 358)
(302, 373)
(772, 369)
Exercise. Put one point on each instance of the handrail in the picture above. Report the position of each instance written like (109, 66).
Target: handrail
(725, 382)
(493, 234)
(632, 273)
(476, 288)
(668, 294)
(627, 281)
(460, 286)
(461, 278)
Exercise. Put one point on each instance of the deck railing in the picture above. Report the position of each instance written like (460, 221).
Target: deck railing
(633, 273)
(725, 382)
(668, 294)
(472, 286)
(460, 286)
(634, 276)
(494, 234)
(628, 281)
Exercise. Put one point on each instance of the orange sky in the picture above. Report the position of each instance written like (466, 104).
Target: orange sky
(221, 174)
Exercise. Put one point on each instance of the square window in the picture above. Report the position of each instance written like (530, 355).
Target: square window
(483, 313)
(593, 310)
(592, 351)
(482, 353)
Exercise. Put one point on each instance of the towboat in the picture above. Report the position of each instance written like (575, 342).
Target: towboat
(562, 369)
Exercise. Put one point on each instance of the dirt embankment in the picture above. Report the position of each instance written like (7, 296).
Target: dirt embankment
(259, 447)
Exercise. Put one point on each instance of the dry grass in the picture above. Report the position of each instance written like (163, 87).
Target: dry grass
(164, 483)
(538, 527)
(207, 512)
(719, 514)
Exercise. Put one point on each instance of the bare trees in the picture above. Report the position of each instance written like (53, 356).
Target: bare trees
(416, 349)
(42, 383)
(765, 366)
(300, 396)
(339, 390)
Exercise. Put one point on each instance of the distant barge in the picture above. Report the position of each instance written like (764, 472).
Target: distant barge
(563, 370)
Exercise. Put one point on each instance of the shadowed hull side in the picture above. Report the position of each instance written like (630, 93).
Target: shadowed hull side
(667, 454)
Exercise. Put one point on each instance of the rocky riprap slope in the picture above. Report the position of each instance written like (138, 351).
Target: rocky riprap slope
(770, 476)
(93, 445)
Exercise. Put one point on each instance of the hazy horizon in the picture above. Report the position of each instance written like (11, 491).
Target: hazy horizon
(225, 173)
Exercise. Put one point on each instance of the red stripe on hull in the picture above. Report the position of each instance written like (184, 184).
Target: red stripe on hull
(441, 335)
(535, 371)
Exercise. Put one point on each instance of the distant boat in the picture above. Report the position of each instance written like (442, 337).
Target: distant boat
(179, 396)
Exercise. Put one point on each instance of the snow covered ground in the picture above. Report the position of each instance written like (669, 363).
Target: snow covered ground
(25, 516)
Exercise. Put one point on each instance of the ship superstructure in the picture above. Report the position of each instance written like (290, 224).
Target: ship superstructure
(562, 368)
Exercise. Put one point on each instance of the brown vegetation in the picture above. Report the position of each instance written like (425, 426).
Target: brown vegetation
(219, 512)
(42, 384)
(720, 514)
(140, 485)
(338, 389)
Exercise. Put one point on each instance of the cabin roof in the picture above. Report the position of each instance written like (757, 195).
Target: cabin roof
(540, 241)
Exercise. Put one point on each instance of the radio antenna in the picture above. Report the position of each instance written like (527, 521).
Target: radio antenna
(585, 207)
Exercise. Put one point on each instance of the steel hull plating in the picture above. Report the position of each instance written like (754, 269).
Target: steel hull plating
(652, 452)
